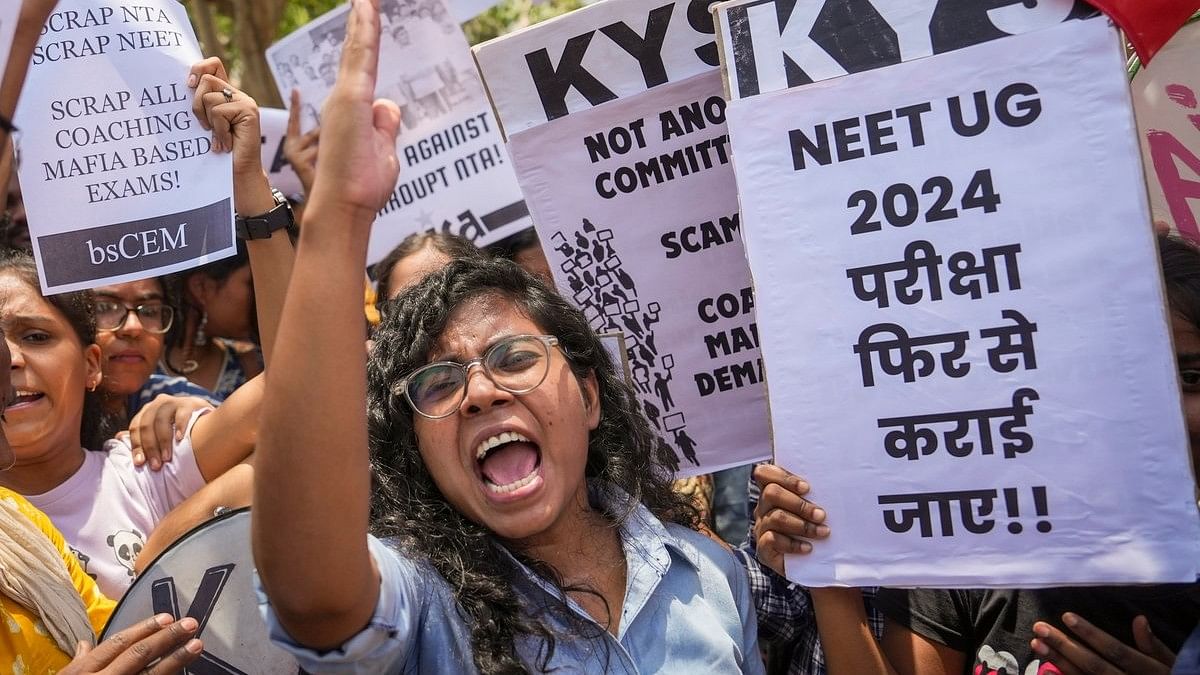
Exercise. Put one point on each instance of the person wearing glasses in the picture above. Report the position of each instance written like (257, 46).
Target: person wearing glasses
(131, 319)
(522, 510)
(90, 489)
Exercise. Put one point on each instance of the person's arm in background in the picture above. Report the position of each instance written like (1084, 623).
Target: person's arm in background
(231, 490)
(300, 149)
(30, 20)
(787, 523)
(314, 424)
(235, 127)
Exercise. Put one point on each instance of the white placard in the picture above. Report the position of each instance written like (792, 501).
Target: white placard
(117, 175)
(769, 45)
(8, 26)
(273, 124)
(1015, 255)
(1165, 97)
(636, 209)
(593, 55)
(455, 173)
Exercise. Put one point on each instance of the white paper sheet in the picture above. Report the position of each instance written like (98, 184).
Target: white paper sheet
(1088, 479)
(635, 205)
(455, 174)
(117, 175)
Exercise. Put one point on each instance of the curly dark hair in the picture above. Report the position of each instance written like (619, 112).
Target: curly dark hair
(79, 309)
(623, 452)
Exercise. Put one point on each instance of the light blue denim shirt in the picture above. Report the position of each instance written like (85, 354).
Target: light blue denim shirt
(687, 611)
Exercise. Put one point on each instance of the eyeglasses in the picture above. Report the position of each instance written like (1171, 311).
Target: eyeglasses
(517, 364)
(155, 317)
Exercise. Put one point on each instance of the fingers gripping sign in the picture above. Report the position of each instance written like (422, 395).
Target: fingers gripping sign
(231, 115)
(785, 521)
(359, 172)
(160, 640)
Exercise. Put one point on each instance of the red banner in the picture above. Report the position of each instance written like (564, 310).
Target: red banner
(1148, 24)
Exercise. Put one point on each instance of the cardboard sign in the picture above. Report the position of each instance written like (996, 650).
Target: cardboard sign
(1165, 95)
(621, 151)
(769, 45)
(962, 319)
(118, 177)
(455, 174)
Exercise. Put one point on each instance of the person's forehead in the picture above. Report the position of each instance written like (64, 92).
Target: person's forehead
(133, 290)
(17, 297)
(1185, 334)
(477, 323)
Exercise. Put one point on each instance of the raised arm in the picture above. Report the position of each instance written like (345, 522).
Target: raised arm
(234, 122)
(312, 484)
(32, 17)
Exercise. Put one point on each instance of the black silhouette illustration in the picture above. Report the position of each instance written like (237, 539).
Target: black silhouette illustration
(608, 296)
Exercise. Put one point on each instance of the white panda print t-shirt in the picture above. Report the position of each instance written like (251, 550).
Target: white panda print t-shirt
(108, 507)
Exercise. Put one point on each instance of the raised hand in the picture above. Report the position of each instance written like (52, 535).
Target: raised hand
(358, 167)
(231, 115)
(784, 520)
(300, 149)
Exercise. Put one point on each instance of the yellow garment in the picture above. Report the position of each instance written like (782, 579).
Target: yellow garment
(25, 646)
(369, 304)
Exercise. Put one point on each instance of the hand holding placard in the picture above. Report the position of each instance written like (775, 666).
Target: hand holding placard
(784, 520)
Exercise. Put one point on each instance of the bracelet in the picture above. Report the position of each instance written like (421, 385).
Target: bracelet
(7, 125)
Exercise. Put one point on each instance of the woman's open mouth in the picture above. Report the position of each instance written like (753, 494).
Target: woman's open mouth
(23, 399)
(508, 461)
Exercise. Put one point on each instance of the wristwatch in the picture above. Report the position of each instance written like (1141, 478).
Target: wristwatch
(263, 226)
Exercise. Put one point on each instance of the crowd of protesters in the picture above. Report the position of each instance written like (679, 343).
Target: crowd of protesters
(522, 518)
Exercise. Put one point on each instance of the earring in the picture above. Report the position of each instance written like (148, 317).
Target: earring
(201, 338)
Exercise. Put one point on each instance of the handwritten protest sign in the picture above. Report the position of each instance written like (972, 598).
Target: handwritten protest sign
(273, 123)
(118, 177)
(955, 369)
(616, 127)
(1165, 96)
(455, 173)
(771, 45)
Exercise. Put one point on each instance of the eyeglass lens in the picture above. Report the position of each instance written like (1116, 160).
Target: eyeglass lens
(154, 317)
(518, 365)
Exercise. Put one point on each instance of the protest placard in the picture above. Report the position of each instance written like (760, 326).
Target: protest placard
(455, 173)
(616, 127)
(1165, 94)
(771, 45)
(273, 123)
(118, 177)
(961, 313)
